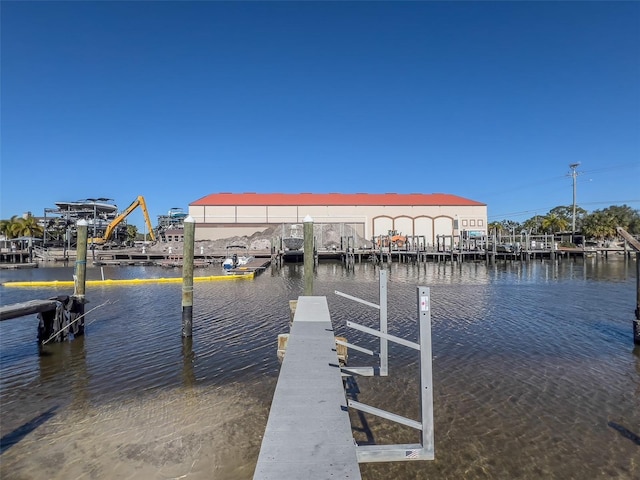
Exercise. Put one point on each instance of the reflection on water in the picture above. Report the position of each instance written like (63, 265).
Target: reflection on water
(534, 368)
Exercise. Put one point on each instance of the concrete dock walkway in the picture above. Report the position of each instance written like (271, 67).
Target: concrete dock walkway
(308, 434)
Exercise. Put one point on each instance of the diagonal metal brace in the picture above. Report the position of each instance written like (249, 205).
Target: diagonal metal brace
(384, 414)
(376, 333)
(356, 299)
(356, 347)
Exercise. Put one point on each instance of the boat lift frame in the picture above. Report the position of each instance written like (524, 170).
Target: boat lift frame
(400, 452)
(383, 354)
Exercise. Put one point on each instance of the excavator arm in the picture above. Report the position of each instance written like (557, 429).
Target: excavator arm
(143, 206)
(138, 202)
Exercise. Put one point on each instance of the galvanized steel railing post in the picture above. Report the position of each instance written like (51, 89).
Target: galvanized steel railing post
(384, 343)
(426, 368)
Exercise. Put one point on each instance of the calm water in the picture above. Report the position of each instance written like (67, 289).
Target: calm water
(535, 373)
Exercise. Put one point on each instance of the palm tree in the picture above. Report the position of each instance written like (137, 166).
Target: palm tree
(495, 226)
(12, 227)
(25, 227)
(600, 225)
(566, 212)
(534, 224)
(5, 228)
(553, 223)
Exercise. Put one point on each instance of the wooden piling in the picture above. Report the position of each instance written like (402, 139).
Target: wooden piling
(188, 357)
(81, 261)
(636, 246)
(76, 307)
(309, 259)
(636, 323)
(187, 277)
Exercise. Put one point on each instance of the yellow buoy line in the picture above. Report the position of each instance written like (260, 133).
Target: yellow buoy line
(129, 281)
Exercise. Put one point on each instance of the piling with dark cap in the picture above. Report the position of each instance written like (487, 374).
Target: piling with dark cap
(187, 276)
(308, 256)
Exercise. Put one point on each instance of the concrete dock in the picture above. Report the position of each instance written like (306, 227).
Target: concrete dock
(308, 434)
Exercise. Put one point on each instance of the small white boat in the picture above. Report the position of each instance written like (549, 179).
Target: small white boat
(228, 265)
(235, 260)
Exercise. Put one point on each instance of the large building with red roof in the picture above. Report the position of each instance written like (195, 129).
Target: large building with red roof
(222, 215)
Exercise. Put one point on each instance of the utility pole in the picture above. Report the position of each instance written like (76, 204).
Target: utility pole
(574, 174)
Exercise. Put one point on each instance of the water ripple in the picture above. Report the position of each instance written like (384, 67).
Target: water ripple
(534, 374)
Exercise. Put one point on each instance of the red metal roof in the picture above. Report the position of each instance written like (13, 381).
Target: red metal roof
(424, 199)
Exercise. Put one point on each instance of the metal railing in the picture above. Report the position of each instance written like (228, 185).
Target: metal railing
(400, 452)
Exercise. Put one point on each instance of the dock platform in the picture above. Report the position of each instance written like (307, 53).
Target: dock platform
(308, 434)
(27, 308)
(254, 265)
(16, 266)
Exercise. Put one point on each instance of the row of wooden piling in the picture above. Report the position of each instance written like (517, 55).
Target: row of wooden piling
(76, 307)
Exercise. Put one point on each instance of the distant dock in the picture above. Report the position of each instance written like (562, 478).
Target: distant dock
(134, 256)
(17, 266)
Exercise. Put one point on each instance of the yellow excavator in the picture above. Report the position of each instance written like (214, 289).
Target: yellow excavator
(138, 202)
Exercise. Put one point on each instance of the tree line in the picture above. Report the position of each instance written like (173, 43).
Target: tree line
(597, 225)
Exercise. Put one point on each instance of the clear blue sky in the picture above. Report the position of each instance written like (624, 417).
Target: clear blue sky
(176, 100)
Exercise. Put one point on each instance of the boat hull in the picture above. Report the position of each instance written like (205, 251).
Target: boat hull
(293, 243)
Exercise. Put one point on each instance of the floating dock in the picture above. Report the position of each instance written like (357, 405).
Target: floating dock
(16, 266)
(253, 266)
(308, 434)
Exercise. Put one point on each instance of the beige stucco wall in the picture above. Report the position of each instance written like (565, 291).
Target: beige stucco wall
(215, 222)
(282, 214)
(216, 232)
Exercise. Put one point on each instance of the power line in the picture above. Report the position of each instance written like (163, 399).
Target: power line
(612, 202)
(613, 167)
(545, 181)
